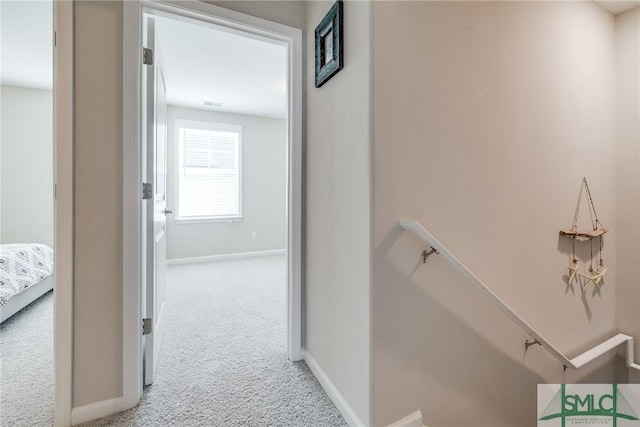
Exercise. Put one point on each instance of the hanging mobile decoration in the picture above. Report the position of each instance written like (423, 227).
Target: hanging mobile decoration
(595, 275)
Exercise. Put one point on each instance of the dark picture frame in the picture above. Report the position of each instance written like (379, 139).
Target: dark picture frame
(329, 51)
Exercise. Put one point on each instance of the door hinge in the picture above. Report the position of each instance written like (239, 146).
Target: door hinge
(147, 56)
(146, 326)
(147, 191)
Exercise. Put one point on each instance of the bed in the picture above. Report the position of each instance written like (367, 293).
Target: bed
(26, 273)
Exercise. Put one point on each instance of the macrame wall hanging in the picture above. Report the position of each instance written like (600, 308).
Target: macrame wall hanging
(596, 234)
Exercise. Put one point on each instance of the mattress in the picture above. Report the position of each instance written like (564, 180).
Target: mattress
(22, 265)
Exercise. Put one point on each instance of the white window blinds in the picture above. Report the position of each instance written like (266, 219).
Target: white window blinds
(209, 171)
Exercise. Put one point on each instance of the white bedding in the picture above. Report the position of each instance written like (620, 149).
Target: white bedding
(22, 265)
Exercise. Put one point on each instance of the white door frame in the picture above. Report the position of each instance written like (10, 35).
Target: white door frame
(132, 169)
(63, 163)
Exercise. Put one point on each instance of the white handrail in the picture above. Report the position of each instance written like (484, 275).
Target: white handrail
(575, 363)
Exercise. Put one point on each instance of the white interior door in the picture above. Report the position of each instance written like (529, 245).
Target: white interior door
(156, 209)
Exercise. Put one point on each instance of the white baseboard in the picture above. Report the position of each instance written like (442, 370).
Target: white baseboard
(96, 410)
(343, 406)
(225, 256)
(413, 420)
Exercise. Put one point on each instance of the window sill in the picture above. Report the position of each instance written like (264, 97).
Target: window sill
(205, 220)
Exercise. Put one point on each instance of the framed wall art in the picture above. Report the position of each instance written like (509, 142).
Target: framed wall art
(329, 51)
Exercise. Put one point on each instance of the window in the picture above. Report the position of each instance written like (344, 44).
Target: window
(209, 171)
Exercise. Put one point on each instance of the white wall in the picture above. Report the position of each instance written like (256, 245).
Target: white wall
(628, 179)
(338, 209)
(26, 120)
(263, 190)
(486, 117)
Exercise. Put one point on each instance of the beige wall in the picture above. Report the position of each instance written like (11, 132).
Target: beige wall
(26, 123)
(97, 317)
(486, 118)
(338, 206)
(264, 170)
(628, 179)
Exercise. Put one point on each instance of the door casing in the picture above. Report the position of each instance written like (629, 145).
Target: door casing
(133, 252)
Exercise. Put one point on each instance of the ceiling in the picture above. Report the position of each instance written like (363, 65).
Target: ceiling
(234, 73)
(618, 6)
(26, 48)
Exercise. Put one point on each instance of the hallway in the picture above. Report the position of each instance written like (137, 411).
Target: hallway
(223, 359)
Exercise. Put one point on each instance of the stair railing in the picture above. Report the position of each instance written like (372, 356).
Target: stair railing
(575, 363)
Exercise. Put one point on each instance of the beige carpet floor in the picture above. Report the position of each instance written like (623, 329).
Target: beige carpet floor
(223, 360)
(26, 366)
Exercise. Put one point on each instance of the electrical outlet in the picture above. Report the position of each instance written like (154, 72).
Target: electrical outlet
(254, 235)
